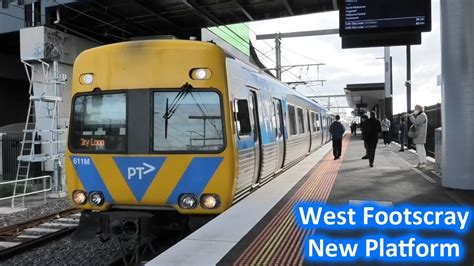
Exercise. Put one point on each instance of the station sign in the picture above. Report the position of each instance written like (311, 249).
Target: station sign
(372, 23)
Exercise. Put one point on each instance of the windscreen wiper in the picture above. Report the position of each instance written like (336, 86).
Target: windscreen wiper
(171, 108)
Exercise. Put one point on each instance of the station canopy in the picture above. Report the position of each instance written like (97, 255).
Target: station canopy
(365, 96)
(118, 20)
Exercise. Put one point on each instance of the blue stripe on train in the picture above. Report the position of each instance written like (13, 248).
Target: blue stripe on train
(195, 178)
(89, 176)
(139, 172)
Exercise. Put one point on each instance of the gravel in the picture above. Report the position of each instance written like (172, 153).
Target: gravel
(68, 251)
(52, 206)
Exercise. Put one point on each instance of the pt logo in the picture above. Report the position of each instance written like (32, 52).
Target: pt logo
(140, 171)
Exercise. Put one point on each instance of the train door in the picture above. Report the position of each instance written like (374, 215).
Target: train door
(279, 133)
(257, 140)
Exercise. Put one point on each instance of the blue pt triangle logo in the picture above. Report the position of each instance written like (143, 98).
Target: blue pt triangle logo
(139, 172)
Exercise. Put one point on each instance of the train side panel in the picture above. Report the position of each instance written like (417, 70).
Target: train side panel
(285, 125)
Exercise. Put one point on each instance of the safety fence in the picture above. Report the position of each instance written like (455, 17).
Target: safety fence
(10, 148)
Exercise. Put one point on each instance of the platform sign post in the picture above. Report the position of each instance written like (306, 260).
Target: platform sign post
(388, 83)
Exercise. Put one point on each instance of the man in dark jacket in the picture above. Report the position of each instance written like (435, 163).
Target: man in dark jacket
(337, 132)
(363, 124)
(402, 132)
(373, 128)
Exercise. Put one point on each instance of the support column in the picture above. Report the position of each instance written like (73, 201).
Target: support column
(457, 42)
(388, 105)
(278, 55)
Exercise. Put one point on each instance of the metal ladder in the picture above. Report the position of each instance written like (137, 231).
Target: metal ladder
(36, 133)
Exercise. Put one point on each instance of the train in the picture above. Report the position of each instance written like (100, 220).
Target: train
(179, 128)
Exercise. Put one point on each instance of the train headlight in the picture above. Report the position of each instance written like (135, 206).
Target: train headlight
(200, 73)
(86, 79)
(79, 197)
(187, 201)
(96, 198)
(210, 201)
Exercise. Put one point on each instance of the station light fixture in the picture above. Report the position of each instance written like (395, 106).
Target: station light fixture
(187, 201)
(79, 197)
(210, 201)
(96, 198)
(86, 79)
(200, 73)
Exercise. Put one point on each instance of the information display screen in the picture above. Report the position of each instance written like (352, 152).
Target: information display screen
(384, 16)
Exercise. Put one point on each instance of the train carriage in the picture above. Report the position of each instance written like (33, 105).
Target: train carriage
(173, 126)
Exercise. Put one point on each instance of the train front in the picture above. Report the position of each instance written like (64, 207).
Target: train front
(149, 133)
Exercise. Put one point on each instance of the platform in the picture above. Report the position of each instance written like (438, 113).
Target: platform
(268, 235)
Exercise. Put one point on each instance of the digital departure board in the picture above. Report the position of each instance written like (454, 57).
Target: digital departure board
(384, 16)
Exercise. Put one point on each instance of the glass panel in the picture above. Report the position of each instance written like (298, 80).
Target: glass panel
(300, 121)
(276, 117)
(244, 126)
(195, 126)
(99, 123)
(318, 123)
(292, 118)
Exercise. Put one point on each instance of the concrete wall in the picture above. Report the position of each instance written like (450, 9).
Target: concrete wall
(13, 90)
(14, 16)
(12, 19)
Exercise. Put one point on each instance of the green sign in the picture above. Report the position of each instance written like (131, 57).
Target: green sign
(236, 35)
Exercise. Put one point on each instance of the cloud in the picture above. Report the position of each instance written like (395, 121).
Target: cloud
(354, 65)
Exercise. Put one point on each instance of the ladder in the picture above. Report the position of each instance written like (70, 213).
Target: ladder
(41, 130)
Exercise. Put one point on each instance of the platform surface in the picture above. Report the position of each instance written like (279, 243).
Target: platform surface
(261, 228)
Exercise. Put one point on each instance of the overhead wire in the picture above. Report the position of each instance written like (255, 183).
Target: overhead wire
(10, 15)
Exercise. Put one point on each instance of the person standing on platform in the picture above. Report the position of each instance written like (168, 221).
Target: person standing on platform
(420, 124)
(354, 128)
(373, 128)
(363, 123)
(337, 132)
(402, 133)
(386, 131)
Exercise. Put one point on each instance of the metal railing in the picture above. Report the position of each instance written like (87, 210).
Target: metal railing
(25, 188)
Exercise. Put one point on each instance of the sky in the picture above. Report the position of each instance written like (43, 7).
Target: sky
(352, 65)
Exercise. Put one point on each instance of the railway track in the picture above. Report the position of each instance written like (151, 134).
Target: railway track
(17, 238)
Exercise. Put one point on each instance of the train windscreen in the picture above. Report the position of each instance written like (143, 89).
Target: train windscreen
(99, 123)
(195, 125)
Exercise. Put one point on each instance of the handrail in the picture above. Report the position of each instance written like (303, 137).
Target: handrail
(25, 181)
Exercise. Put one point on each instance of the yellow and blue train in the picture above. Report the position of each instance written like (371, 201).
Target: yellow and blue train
(179, 126)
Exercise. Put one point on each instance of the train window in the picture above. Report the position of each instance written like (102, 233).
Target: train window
(301, 121)
(99, 123)
(313, 122)
(292, 118)
(195, 126)
(277, 123)
(244, 126)
(318, 122)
